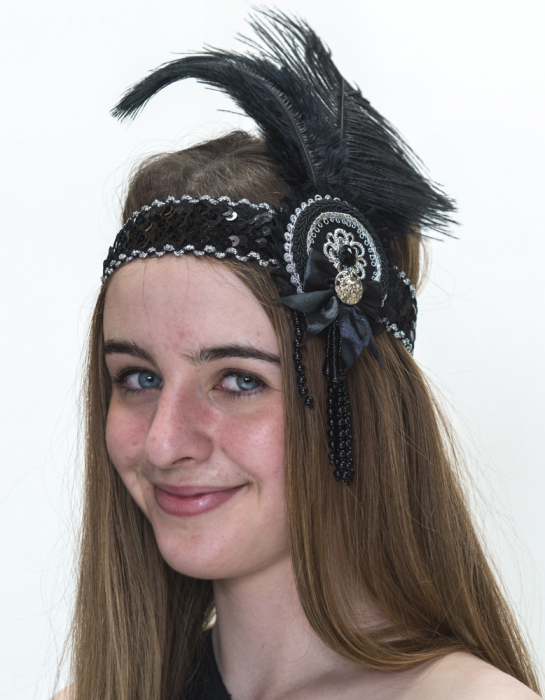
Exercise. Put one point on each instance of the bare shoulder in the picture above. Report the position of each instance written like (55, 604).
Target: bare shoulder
(64, 694)
(462, 676)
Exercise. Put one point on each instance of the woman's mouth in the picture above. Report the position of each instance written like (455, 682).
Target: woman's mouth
(183, 501)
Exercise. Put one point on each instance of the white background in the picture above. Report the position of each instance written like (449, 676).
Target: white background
(463, 81)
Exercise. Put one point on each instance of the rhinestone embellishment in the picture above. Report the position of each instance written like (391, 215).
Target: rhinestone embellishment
(348, 287)
(342, 240)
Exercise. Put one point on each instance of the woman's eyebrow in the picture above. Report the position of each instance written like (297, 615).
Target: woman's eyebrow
(220, 352)
(198, 357)
(124, 347)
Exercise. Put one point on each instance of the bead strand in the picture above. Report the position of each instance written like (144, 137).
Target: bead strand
(338, 410)
(299, 366)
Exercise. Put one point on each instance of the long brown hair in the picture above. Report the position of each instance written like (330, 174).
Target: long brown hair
(400, 537)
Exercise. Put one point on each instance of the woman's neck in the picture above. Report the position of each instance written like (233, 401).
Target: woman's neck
(263, 642)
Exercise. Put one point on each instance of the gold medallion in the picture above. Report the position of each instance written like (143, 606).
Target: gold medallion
(348, 287)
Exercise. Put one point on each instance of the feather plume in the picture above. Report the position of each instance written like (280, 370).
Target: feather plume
(323, 133)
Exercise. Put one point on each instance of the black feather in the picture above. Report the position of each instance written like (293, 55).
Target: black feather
(325, 136)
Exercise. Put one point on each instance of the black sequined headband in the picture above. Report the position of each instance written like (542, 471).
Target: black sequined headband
(354, 188)
(202, 226)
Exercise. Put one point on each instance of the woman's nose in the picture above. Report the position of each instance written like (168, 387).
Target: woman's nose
(180, 430)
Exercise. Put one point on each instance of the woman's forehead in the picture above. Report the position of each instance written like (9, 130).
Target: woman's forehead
(183, 300)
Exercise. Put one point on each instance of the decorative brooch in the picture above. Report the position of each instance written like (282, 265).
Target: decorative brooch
(339, 270)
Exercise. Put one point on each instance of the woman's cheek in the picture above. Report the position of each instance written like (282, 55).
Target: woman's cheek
(256, 442)
(125, 437)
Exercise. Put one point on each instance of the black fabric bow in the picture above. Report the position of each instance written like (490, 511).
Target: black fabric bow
(321, 306)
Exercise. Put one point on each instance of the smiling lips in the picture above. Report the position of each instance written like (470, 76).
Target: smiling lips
(183, 501)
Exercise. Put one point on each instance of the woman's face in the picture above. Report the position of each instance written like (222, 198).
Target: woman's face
(195, 425)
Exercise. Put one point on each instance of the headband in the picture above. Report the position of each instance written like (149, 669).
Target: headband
(355, 187)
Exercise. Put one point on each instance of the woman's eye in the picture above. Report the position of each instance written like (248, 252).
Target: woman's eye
(241, 383)
(141, 380)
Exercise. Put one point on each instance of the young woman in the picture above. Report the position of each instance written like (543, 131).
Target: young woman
(272, 506)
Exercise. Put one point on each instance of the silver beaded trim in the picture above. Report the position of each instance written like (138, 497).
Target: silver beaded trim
(186, 198)
(403, 276)
(392, 328)
(208, 249)
(182, 251)
(288, 235)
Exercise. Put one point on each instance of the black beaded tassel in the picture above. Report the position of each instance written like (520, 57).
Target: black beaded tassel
(299, 366)
(338, 409)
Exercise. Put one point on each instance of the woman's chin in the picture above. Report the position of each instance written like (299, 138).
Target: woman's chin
(216, 555)
(196, 554)
(204, 568)
(198, 569)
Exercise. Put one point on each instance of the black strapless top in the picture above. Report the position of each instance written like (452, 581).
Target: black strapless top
(207, 684)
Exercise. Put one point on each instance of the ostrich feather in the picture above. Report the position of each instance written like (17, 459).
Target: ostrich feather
(323, 133)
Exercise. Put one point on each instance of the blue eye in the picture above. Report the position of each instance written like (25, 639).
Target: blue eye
(247, 382)
(136, 381)
(241, 384)
(148, 380)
